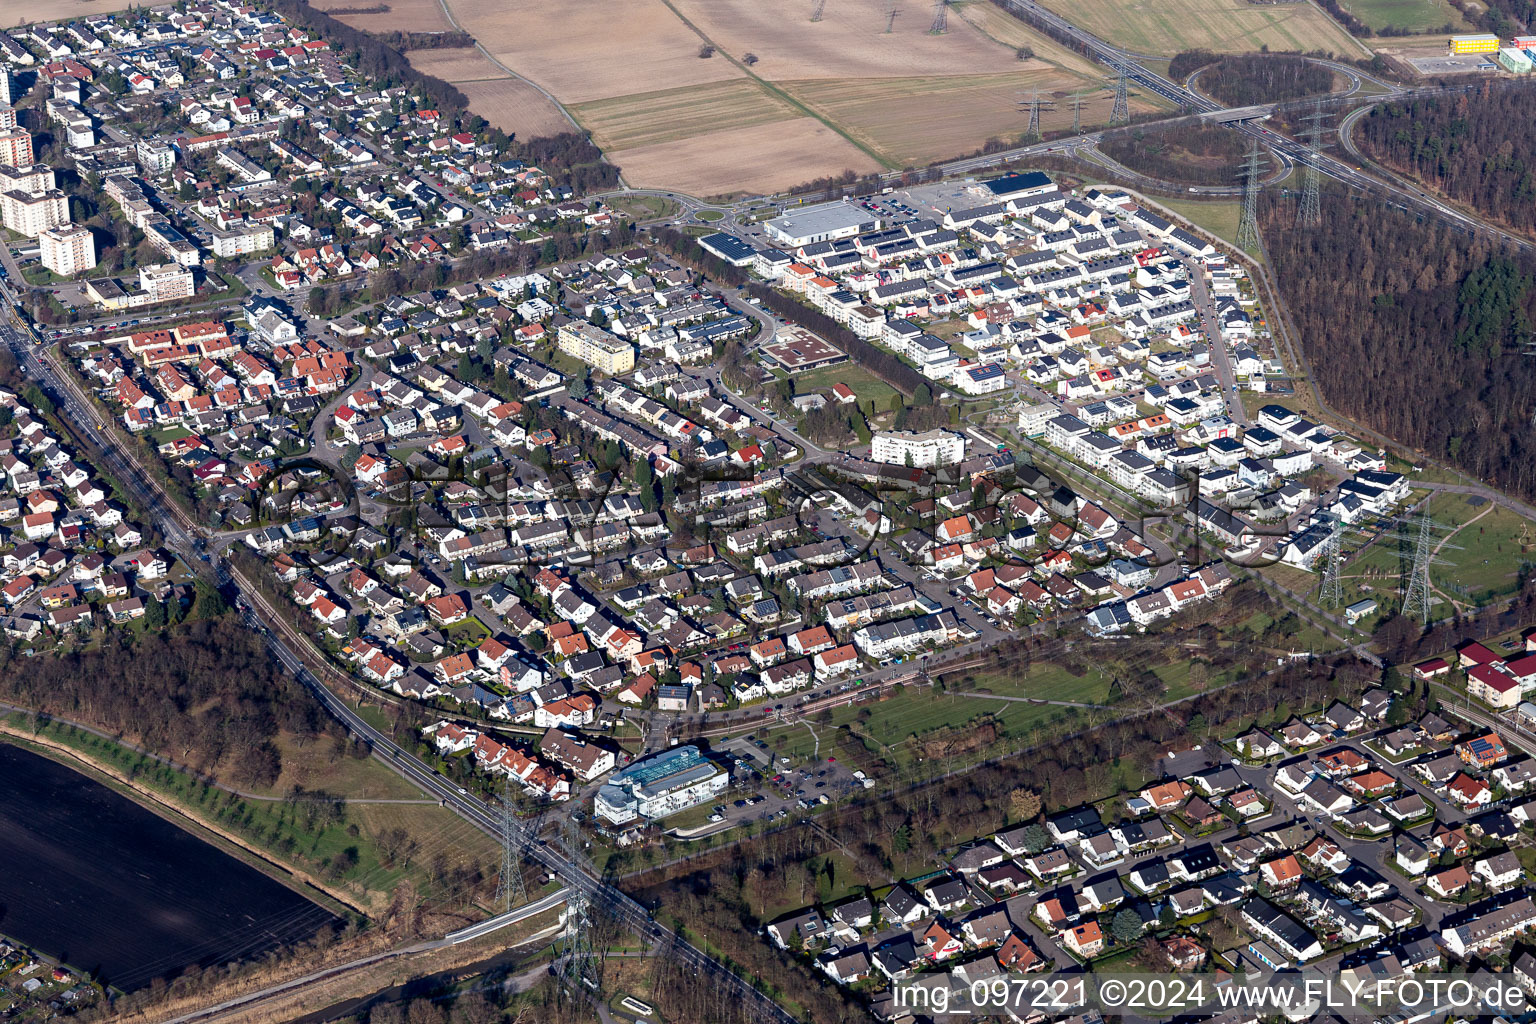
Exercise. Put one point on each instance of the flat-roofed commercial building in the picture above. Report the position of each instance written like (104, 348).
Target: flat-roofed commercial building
(820, 224)
(661, 785)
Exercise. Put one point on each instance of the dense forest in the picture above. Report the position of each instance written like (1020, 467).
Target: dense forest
(1242, 79)
(1505, 17)
(1416, 331)
(1464, 146)
(205, 694)
(1196, 154)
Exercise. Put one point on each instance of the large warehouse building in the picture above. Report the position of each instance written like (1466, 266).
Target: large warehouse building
(820, 224)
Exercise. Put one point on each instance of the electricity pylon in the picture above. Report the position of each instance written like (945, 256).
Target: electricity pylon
(1248, 226)
(1121, 114)
(1310, 213)
(1416, 599)
(509, 887)
(1331, 594)
(940, 18)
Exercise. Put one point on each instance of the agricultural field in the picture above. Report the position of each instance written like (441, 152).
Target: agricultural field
(515, 107)
(671, 115)
(14, 14)
(402, 16)
(753, 160)
(1226, 26)
(509, 103)
(909, 122)
(850, 42)
(780, 99)
(587, 50)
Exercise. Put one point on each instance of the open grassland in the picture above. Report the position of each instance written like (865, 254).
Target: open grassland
(1226, 26)
(402, 16)
(761, 159)
(783, 100)
(1413, 15)
(586, 50)
(912, 121)
(860, 381)
(1481, 560)
(675, 114)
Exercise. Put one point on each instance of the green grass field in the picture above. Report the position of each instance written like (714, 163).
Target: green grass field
(1482, 560)
(1219, 218)
(1413, 15)
(863, 383)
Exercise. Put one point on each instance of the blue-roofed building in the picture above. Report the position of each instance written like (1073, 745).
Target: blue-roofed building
(729, 248)
(660, 785)
(1031, 183)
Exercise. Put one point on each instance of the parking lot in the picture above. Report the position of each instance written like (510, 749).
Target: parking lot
(786, 784)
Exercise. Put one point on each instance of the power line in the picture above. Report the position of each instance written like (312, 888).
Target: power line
(890, 18)
(1121, 113)
(1416, 599)
(509, 886)
(1248, 227)
(816, 11)
(1309, 214)
(940, 18)
(581, 966)
(1035, 106)
(1331, 594)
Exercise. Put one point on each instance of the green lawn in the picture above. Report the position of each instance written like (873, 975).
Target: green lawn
(1481, 562)
(645, 207)
(160, 437)
(863, 383)
(1413, 15)
(1219, 218)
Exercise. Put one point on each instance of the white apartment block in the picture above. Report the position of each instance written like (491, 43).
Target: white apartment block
(164, 282)
(68, 249)
(34, 178)
(241, 240)
(155, 157)
(923, 449)
(32, 213)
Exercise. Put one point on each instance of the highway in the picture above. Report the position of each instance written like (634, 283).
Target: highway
(1284, 148)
